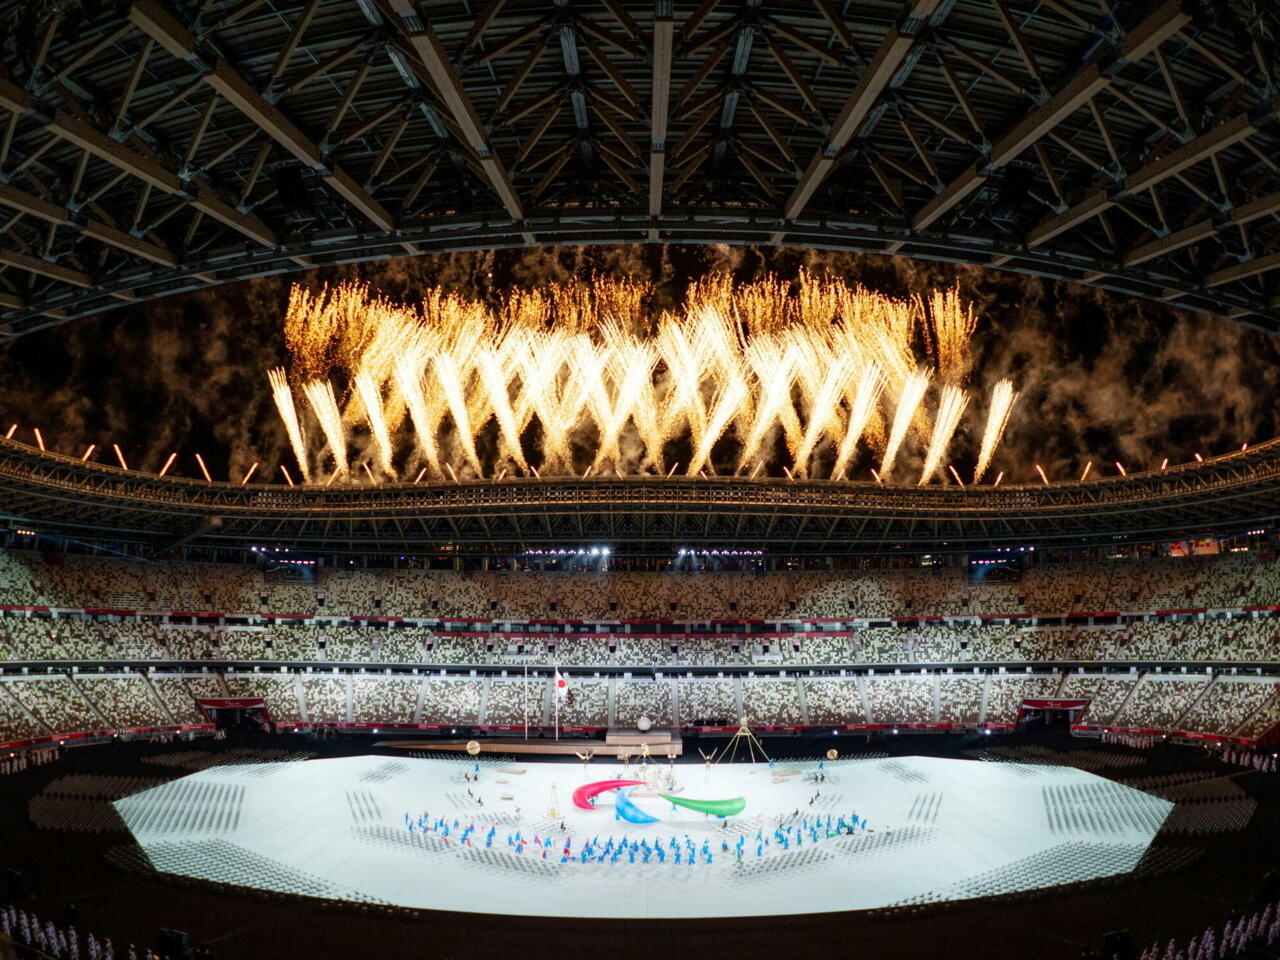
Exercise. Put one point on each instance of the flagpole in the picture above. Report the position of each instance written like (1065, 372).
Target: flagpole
(556, 694)
(526, 699)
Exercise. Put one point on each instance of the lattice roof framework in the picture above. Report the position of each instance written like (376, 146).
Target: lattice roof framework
(148, 148)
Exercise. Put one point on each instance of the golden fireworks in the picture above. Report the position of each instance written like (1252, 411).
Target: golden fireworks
(950, 409)
(1003, 397)
(909, 398)
(289, 414)
(585, 375)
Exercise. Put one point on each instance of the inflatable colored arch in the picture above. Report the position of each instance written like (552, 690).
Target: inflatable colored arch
(718, 808)
(582, 796)
(628, 811)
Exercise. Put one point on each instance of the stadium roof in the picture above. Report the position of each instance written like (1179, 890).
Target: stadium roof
(56, 495)
(148, 147)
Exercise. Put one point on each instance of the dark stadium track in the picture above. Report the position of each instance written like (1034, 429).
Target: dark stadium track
(61, 868)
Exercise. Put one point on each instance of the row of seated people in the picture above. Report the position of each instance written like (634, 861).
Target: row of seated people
(1231, 580)
(24, 638)
(1229, 706)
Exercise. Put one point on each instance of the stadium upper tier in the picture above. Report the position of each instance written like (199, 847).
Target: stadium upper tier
(61, 495)
(1202, 609)
(68, 581)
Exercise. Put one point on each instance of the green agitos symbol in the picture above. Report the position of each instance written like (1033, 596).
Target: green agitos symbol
(717, 808)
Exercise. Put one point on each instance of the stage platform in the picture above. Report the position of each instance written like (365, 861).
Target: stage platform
(928, 830)
(617, 743)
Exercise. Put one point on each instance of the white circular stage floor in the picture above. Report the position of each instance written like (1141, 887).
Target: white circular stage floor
(382, 830)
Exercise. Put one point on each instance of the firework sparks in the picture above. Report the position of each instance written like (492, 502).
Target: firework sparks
(950, 409)
(824, 413)
(773, 366)
(820, 365)
(496, 379)
(948, 330)
(722, 412)
(683, 402)
(631, 371)
(908, 401)
(861, 405)
(371, 399)
(289, 414)
(1003, 397)
(408, 378)
(321, 397)
(452, 377)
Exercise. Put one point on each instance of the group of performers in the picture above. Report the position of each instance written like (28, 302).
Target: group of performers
(791, 831)
(801, 830)
(796, 832)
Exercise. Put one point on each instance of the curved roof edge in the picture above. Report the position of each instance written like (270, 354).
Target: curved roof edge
(60, 495)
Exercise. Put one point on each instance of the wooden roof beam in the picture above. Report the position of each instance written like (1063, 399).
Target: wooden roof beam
(285, 53)
(1019, 42)
(663, 42)
(1242, 271)
(624, 19)
(16, 199)
(43, 268)
(517, 81)
(426, 44)
(1083, 86)
(771, 130)
(88, 138)
(889, 57)
(605, 63)
(839, 29)
(481, 24)
(156, 22)
(1237, 216)
(1170, 164)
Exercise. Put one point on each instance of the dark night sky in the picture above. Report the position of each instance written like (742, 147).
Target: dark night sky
(1102, 378)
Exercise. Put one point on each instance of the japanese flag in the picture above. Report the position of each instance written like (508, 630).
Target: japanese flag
(562, 685)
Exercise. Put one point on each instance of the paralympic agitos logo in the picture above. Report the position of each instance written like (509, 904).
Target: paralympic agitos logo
(626, 809)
